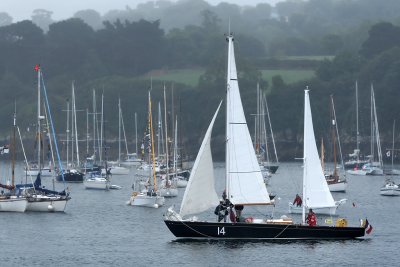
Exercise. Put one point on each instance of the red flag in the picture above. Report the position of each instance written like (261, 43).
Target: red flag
(37, 67)
(368, 227)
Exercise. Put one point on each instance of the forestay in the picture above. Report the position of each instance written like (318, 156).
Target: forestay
(200, 193)
(245, 184)
(316, 190)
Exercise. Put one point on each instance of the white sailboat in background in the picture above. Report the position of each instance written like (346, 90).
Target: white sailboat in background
(12, 202)
(145, 193)
(98, 180)
(168, 186)
(372, 167)
(336, 183)
(39, 198)
(116, 168)
(268, 166)
(316, 194)
(355, 162)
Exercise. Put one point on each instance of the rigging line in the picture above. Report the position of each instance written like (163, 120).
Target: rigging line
(195, 230)
(52, 129)
(281, 231)
(26, 160)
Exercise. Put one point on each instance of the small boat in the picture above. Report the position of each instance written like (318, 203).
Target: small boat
(145, 193)
(390, 189)
(97, 181)
(372, 167)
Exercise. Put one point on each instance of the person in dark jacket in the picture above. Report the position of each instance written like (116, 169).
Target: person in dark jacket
(221, 211)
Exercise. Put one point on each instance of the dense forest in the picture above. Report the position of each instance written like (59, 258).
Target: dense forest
(117, 54)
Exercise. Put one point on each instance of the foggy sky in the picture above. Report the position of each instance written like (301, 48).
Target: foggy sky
(62, 9)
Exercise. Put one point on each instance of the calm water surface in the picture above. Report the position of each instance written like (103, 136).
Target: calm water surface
(99, 229)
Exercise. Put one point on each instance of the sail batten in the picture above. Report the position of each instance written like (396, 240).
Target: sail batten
(244, 182)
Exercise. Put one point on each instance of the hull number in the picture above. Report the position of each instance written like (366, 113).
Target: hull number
(221, 231)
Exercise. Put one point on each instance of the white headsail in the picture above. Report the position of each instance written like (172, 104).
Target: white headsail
(200, 193)
(316, 192)
(245, 184)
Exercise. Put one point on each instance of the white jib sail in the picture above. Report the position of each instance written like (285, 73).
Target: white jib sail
(200, 193)
(316, 190)
(245, 184)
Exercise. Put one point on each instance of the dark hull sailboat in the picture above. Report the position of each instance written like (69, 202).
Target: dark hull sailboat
(209, 230)
(71, 176)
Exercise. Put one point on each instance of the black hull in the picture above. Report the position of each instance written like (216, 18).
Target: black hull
(272, 168)
(71, 177)
(210, 230)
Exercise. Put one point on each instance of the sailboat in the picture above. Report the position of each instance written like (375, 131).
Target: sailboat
(372, 167)
(40, 198)
(355, 162)
(71, 174)
(316, 193)
(335, 182)
(145, 193)
(168, 186)
(11, 201)
(244, 184)
(95, 179)
(117, 168)
(261, 140)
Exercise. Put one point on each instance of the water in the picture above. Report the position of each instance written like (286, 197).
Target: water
(99, 229)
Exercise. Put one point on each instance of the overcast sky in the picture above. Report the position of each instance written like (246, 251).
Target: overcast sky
(22, 9)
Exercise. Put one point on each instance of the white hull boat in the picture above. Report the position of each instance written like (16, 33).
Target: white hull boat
(13, 204)
(390, 189)
(46, 172)
(323, 211)
(97, 183)
(180, 182)
(42, 203)
(168, 192)
(338, 187)
(144, 199)
(119, 170)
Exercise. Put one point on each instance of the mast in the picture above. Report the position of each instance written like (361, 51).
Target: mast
(75, 124)
(333, 133)
(270, 127)
(358, 132)
(119, 131)
(39, 136)
(101, 126)
(13, 150)
(322, 154)
(159, 129)
(166, 134)
(152, 146)
(136, 146)
(394, 125)
(303, 214)
(87, 132)
(338, 137)
(67, 131)
(176, 144)
(94, 125)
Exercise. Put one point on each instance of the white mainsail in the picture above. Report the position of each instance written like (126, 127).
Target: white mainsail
(316, 192)
(244, 181)
(200, 193)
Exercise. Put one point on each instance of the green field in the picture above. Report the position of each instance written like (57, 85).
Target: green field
(288, 76)
(190, 77)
